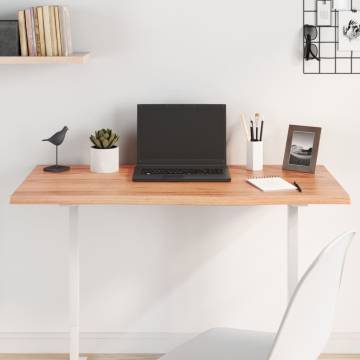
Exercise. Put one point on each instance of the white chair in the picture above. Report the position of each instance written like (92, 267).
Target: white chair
(305, 327)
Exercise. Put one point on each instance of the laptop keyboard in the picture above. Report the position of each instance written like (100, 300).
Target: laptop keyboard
(190, 171)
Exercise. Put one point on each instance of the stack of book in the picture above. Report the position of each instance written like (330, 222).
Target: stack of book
(45, 31)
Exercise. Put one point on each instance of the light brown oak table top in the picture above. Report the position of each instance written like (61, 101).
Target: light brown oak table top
(81, 187)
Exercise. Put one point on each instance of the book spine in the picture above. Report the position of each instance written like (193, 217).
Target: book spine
(37, 31)
(29, 20)
(65, 29)
(33, 31)
(58, 32)
(41, 31)
(53, 31)
(47, 31)
(22, 33)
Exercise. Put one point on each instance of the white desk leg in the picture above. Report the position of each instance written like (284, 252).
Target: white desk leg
(292, 248)
(74, 282)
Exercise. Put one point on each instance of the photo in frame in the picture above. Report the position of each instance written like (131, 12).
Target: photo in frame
(349, 31)
(302, 148)
(341, 4)
(323, 11)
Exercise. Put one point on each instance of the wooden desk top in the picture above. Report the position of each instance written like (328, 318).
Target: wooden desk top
(81, 187)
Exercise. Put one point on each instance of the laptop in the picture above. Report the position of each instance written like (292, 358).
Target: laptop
(181, 143)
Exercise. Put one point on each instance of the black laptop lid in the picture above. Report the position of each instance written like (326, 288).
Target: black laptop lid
(182, 134)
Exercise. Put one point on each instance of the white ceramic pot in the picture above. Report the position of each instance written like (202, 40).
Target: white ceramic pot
(254, 156)
(104, 160)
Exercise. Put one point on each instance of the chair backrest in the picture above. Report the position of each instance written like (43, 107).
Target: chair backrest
(307, 322)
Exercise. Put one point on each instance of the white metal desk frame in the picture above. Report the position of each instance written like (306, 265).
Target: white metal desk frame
(74, 269)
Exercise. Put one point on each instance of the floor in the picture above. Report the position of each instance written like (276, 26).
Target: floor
(138, 357)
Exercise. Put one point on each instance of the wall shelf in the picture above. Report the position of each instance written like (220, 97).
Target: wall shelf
(75, 58)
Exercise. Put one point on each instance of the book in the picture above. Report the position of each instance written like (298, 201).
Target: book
(271, 183)
(53, 31)
(9, 38)
(58, 32)
(44, 31)
(36, 29)
(41, 30)
(47, 31)
(30, 31)
(22, 33)
(65, 29)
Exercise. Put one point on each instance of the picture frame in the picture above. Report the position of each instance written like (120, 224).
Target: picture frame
(302, 147)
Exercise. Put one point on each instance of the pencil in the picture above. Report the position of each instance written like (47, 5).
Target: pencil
(246, 129)
(257, 120)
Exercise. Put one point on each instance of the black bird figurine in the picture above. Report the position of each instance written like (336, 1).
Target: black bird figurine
(57, 139)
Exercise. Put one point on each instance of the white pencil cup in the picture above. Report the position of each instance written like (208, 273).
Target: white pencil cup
(255, 155)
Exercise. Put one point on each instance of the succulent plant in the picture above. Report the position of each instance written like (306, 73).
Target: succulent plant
(104, 139)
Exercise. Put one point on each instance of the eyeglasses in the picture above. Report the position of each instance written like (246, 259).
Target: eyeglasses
(310, 49)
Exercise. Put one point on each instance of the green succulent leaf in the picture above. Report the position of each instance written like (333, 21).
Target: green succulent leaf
(104, 139)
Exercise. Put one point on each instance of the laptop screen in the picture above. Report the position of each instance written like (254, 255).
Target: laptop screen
(182, 134)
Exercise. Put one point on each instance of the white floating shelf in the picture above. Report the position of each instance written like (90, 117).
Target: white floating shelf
(75, 58)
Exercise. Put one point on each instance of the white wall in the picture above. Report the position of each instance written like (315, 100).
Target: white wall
(169, 269)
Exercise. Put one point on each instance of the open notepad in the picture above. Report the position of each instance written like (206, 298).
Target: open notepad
(271, 183)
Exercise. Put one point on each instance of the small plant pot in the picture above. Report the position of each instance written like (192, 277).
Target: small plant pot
(104, 161)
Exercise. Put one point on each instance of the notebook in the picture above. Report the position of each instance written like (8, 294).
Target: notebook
(271, 183)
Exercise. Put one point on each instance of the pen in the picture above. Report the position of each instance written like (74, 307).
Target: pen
(261, 130)
(297, 186)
